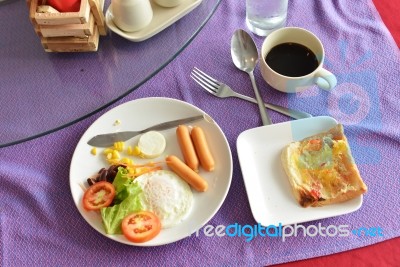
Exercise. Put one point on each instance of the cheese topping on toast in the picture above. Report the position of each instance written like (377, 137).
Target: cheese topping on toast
(321, 169)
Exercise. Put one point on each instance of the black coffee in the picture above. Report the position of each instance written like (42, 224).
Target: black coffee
(292, 59)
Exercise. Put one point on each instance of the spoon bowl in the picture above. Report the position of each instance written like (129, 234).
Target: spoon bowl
(244, 53)
(245, 57)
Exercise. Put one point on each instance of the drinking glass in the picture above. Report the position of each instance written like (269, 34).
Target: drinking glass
(264, 16)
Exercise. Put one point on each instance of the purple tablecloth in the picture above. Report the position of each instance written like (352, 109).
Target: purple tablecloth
(40, 225)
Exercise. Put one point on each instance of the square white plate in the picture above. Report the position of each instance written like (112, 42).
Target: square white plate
(268, 188)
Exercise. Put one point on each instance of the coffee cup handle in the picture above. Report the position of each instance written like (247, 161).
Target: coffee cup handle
(325, 79)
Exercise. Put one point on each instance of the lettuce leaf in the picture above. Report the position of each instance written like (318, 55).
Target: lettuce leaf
(127, 200)
(120, 183)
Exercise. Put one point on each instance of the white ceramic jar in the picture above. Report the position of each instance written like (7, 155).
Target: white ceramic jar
(131, 15)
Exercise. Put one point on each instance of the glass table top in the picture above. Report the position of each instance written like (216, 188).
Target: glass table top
(42, 92)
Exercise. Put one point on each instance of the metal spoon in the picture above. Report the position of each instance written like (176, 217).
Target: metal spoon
(245, 56)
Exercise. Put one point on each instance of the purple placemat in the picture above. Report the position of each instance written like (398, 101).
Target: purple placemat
(40, 225)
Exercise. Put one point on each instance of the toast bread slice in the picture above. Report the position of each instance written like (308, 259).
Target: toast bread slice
(321, 169)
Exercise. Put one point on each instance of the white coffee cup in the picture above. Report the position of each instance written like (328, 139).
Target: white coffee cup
(320, 76)
(131, 15)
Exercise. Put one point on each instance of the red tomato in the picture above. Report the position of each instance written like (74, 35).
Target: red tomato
(141, 226)
(65, 5)
(99, 195)
(316, 194)
(315, 141)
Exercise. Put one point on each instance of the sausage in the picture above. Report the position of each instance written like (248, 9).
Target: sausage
(202, 148)
(187, 148)
(186, 173)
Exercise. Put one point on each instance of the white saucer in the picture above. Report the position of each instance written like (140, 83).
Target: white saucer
(162, 18)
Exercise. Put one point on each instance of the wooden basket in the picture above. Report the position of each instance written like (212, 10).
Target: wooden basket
(69, 31)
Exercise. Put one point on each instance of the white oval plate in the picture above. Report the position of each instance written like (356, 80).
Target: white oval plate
(268, 188)
(140, 114)
(162, 18)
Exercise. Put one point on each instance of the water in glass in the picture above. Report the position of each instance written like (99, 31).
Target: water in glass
(264, 16)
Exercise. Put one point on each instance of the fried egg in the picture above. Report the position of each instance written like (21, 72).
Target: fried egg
(166, 195)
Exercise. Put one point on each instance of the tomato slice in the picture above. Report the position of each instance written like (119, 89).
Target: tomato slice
(99, 195)
(141, 226)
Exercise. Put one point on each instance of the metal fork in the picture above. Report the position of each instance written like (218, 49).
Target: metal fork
(222, 90)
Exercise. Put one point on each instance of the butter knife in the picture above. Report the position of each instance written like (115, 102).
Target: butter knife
(106, 140)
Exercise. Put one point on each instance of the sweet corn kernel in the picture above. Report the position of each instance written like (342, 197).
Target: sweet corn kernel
(117, 122)
(93, 151)
(115, 154)
(109, 155)
(119, 146)
(135, 151)
(131, 170)
(107, 151)
(126, 161)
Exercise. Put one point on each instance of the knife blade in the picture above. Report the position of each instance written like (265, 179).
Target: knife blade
(106, 140)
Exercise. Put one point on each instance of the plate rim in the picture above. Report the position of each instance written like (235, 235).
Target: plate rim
(209, 217)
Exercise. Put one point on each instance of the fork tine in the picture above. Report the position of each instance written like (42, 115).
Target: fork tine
(205, 76)
(206, 81)
(211, 89)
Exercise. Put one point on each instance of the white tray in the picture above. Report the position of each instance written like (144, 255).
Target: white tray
(162, 18)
